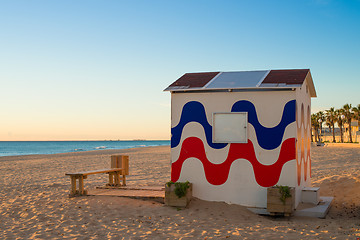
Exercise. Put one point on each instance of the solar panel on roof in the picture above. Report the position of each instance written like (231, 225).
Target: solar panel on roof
(250, 79)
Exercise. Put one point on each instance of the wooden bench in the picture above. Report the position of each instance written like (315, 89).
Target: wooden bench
(118, 171)
(114, 179)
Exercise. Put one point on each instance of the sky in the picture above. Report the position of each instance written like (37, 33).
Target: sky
(96, 70)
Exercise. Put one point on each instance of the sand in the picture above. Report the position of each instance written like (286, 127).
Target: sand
(34, 202)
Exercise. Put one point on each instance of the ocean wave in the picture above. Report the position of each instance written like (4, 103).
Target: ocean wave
(101, 147)
(78, 149)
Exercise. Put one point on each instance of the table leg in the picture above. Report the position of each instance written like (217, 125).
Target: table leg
(73, 186)
(124, 180)
(81, 185)
(117, 178)
(111, 179)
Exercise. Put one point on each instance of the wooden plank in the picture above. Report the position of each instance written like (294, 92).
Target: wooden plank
(120, 161)
(95, 172)
(114, 161)
(125, 164)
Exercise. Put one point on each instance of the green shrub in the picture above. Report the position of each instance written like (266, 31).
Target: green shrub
(180, 188)
(285, 193)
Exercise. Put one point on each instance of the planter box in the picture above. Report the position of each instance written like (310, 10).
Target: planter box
(172, 200)
(276, 206)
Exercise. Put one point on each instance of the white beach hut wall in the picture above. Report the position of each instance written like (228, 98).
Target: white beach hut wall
(236, 133)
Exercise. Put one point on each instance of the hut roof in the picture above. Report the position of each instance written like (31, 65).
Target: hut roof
(265, 79)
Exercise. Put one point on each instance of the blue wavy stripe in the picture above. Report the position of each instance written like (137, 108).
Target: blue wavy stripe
(268, 138)
(194, 112)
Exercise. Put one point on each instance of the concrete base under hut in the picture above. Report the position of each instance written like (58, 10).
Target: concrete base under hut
(304, 209)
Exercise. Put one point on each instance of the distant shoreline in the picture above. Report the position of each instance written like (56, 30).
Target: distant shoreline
(90, 152)
(24, 148)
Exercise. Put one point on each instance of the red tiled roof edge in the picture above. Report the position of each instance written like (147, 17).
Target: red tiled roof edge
(291, 76)
(194, 80)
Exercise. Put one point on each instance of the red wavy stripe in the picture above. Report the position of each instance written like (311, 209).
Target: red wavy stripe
(217, 174)
(305, 158)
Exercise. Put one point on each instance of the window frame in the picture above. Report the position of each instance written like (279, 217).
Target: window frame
(216, 138)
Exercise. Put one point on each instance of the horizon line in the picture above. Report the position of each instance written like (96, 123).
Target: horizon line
(106, 140)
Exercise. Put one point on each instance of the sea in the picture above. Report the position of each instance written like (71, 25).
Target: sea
(14, 148)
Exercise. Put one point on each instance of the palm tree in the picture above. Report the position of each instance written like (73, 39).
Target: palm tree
(340, 122)
(320, 118)
(315, 125)
(332, 116)
(330, 120)
(356, 111)
(348, 116)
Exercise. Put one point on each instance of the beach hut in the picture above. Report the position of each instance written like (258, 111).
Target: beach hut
(234, 134)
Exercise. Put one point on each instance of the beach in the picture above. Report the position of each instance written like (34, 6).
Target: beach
(34, 202)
